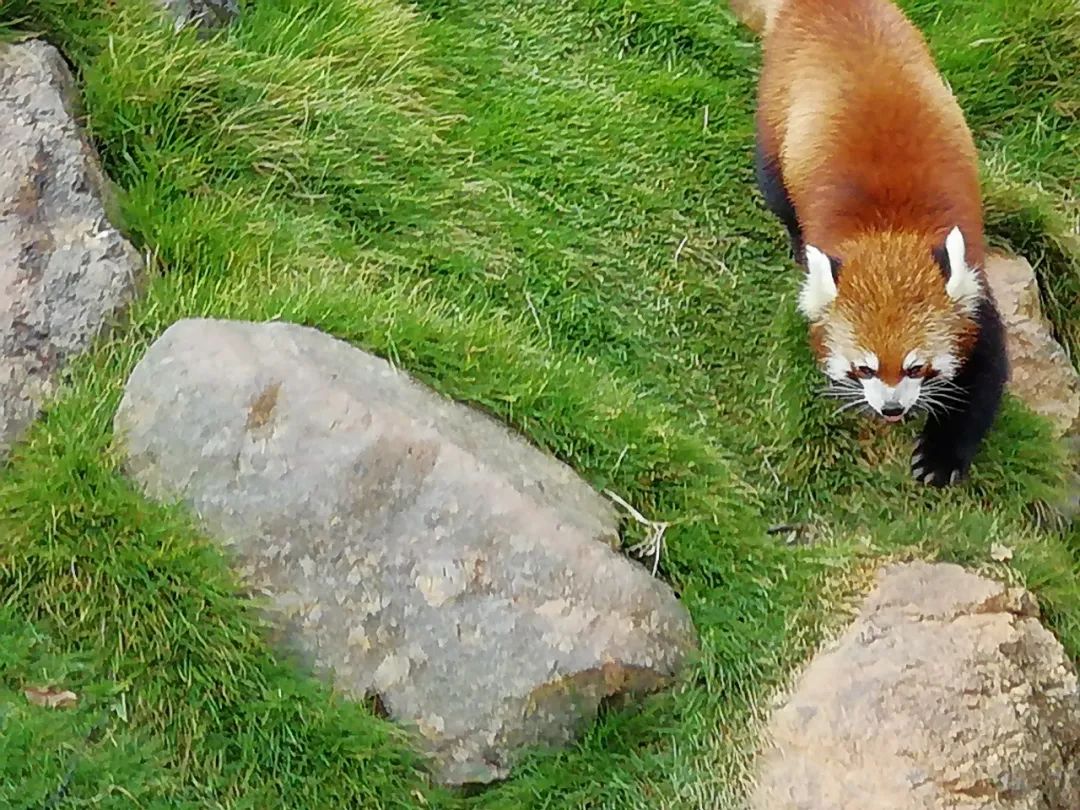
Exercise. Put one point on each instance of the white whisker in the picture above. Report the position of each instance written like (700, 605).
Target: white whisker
(940, 396)
(834, 390)
(929, 408)
(936, 406)
(943, 385)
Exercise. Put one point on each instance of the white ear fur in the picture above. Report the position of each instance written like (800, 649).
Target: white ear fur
(819, 287)
(963, 285)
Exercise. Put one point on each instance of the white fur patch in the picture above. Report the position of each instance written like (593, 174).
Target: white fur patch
(945, 364)
(819, 287)
(963, 285)
(841, 347)
(836, 367)
(907, 391)
(911, 359)
(878, 394)
(875, 392)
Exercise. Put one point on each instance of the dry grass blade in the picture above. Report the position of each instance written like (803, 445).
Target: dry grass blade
(51, 697)
(653, 544)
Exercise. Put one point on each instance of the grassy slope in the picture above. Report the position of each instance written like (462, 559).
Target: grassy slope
(495, 197)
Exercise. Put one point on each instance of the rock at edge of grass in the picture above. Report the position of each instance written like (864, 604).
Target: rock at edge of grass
(946, 693)
(411, 547)
(66, 273)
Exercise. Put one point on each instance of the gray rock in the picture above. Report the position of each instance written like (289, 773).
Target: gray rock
(206, 15)
(946, 694)
(409, 546)
(1041, 374)
(65, 272)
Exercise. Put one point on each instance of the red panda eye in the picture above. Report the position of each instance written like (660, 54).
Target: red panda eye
(864, 372)
(915, 370)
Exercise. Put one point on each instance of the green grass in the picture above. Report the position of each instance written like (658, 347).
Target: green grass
(544, 209)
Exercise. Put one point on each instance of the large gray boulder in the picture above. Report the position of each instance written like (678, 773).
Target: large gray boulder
(409, 546)
(65, 272)
(945, 694)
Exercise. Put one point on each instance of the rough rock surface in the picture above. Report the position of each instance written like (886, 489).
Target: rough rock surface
(1042, 375)
(206, 15)
(65, 272)
(946, 693)
(409, 545)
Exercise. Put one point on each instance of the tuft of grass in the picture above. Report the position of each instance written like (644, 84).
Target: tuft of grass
(1024, 218)
(1021, 94)
(544, 210)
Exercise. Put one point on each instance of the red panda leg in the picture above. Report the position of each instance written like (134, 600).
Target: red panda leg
(951, 439)
(770, 181)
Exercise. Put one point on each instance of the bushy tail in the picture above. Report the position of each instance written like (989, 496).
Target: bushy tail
(757, 15)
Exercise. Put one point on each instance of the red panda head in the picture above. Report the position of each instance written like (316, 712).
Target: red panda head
(892, 319)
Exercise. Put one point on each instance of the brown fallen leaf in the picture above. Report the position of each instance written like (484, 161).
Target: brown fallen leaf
(50, 697)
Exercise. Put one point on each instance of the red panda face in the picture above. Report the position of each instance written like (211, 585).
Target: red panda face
(890, 325)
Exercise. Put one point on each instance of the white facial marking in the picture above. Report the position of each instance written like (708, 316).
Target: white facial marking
(819, 287)
(879, 395)
(945, 364)
(836, 367)
(963, 285)
(907, 392)
(875, 392)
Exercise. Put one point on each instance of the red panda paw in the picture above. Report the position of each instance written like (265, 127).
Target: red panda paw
(937, 465)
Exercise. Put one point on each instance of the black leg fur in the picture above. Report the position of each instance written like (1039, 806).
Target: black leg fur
(950, 441)
(770, 182)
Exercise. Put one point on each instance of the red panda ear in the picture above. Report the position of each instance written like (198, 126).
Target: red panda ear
(961, 281)
(941, 256)
(819, 285)
(813, 254)
(950, 254)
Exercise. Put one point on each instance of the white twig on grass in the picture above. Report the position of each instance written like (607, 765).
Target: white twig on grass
(653, 544)
(679, 249)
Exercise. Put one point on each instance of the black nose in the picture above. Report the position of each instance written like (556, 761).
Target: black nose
(891, 409)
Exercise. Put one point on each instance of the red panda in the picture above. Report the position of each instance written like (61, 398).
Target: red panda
(864, 155)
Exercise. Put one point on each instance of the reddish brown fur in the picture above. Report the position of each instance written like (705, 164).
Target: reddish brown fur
(877, 160)
(886, 145)
(893, 318)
